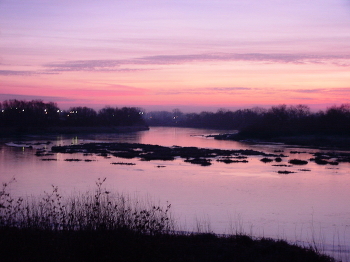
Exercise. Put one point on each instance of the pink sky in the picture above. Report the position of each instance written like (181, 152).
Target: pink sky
(160, 54)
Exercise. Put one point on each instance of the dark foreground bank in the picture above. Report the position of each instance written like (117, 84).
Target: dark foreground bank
(104, 226)
(124, 245)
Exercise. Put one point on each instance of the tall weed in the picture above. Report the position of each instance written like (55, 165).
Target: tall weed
(97, 210)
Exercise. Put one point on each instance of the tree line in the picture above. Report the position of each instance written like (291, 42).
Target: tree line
(37, 113)
(281, 120)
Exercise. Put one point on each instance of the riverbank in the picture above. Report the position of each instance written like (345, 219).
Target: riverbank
(101, 225)
(316, 141)
(102, 245)
(6, 131)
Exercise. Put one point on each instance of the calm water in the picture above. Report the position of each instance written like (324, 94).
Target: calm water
(251, 197)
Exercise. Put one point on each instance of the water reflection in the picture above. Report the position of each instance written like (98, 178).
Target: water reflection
(301, 205)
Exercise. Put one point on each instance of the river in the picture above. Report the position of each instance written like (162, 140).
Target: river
(310, 205)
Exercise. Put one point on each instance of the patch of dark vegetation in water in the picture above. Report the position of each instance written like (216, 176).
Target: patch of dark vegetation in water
(285, 172)
(48, 159)
(125, 154)
(148, 152)
(266, 160)
(230, 161)
(199, 161)
(298, 162)
(73, 160)
(104, 154)
(297, 152)
(40, 152)
(333, 163)
(160, 166)
(156, 156)
(240, 157)
(321, 161)
(89, 160)
(43, 153)
(304, 170)
(123, 163)
(332, 158)
(284, 165)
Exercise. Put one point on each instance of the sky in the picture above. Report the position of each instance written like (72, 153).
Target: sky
(194, 55)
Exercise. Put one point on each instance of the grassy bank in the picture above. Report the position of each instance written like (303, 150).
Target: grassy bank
(105, 226)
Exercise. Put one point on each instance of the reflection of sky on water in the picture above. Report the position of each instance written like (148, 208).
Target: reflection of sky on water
(294, 206)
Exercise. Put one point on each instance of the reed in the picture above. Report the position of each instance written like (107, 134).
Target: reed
(97, 210)
(104, 226)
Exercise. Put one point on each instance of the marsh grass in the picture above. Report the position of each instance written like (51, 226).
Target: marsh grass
(97, 210)
(103, 226)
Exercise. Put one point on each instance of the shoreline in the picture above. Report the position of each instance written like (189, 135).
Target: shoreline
(5, 131)
(327, 142)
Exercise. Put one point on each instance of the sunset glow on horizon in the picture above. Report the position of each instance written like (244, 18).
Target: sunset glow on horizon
(193, 55)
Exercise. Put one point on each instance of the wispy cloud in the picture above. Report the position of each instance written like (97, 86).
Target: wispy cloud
(15, 73)
(204, 91)
(133, 64)
(24, 73)
(253, 57)
(308, 91)
(108, 91)
(227, 89)
(117, 65)
(321, 90)
(34, 97)
(262, 91)
(84, 65)
(91, 66)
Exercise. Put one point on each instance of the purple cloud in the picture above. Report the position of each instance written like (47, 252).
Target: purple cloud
(15, 73)
(253, 57)
(84, 65)
(33, 97)
(203, 91)
(115, 65)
